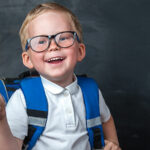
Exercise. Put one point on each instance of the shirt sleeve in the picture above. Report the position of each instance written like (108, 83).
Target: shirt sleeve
(104, 110)
(16, 115)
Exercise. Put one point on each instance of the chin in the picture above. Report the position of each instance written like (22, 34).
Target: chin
(55, 77)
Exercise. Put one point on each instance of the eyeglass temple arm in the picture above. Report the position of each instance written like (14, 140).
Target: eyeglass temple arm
(26, 46)
(77, 38)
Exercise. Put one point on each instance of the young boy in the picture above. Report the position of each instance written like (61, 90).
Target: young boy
(51, 38)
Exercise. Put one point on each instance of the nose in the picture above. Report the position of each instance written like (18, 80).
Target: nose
(53, 46)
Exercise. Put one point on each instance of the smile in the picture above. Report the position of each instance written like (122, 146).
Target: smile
(55, 59)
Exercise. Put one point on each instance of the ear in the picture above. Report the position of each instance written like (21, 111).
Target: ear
(26, 60)
(82, 52)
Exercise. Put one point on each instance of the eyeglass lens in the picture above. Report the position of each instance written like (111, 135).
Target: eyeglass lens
(41, 43)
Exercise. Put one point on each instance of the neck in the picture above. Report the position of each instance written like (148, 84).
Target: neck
(63, 82)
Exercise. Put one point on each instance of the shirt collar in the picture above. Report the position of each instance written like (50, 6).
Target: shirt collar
(73, 87)
(56, 89)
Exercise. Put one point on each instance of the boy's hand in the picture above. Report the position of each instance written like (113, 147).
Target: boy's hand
(2, 108)
(111, 146)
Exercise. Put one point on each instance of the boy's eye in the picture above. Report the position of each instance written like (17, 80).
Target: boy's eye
(42, 42)
(63, 38)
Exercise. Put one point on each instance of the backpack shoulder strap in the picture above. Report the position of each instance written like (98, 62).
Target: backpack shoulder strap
(90, 93)
(37, 109)
(8, 86)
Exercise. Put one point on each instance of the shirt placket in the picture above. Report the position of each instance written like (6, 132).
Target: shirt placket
(68, 110)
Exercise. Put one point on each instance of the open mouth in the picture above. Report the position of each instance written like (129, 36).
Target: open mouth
(55, 60)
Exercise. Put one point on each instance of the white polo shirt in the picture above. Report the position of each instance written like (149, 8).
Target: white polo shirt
(66, 123)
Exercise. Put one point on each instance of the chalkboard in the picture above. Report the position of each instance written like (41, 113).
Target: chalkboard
(117, 38)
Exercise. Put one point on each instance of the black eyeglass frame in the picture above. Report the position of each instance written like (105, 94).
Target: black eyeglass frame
(50, 37)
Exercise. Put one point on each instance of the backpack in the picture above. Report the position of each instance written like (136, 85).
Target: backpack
(38, 116)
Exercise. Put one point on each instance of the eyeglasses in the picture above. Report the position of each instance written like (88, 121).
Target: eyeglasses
(42, 42)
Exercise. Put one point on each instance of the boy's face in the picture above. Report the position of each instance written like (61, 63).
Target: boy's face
(59, 70)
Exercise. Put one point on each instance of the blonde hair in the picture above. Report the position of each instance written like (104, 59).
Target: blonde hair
(41, 8)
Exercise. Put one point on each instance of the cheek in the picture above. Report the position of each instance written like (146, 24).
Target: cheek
(36, 58)
(74, 52)
(73, 55)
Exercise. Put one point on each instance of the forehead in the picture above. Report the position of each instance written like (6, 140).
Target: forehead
(49, 23)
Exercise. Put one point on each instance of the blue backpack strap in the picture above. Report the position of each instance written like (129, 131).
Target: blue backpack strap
(8, 86)
(37, 109)
(90, 92)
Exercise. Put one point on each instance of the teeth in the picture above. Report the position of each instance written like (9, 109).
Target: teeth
(54, 59)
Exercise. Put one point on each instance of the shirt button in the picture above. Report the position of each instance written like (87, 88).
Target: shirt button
(69, 111)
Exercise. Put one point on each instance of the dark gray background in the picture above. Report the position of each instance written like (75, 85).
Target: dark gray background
(117, 38)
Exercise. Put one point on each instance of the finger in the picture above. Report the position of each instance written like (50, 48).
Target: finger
(115, 147)
(108, 145)
(106, 142)
(111, 146)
